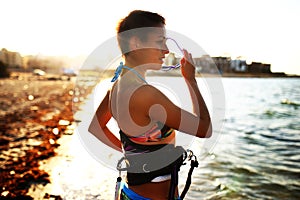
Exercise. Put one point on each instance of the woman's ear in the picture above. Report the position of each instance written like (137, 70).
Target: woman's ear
(134, 43)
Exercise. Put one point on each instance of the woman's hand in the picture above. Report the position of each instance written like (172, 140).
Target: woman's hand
(187, 66)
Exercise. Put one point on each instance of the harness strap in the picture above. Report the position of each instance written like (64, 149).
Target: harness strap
(194, 163)
(174, 177)
(174, 182)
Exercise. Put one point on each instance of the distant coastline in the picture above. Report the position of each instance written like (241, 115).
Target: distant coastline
(206, 66)
(259, 75)
(227, 75)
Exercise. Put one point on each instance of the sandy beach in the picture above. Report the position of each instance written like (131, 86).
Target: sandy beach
(35, 112)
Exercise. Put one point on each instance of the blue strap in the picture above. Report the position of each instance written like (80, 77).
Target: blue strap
(119, 71)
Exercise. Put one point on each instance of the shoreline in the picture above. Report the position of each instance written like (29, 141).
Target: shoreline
(259, 75)
(225, 75)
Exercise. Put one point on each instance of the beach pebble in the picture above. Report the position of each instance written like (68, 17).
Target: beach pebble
(63, 122)
(34, 108)
(55, 131)
(51, 141)
(30, 97)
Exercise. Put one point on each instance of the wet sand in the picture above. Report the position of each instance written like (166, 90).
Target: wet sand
(35, 113)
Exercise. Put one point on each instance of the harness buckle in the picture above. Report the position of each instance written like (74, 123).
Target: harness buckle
(119, 165)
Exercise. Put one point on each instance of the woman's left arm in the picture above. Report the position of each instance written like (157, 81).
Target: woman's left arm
(98, 126)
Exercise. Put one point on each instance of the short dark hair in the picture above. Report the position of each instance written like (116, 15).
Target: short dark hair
(136, 19)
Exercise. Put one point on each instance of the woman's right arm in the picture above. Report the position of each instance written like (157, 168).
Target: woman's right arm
(157, 107)
(199, 105)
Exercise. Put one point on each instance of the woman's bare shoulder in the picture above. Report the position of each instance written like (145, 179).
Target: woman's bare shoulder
(146, 96)
(148, 92)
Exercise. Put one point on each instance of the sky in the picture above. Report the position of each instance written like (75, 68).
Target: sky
(258, 30)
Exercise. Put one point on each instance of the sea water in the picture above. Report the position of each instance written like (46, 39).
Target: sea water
(258, 153)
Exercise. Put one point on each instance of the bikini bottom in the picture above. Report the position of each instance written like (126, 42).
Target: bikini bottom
(128, 194)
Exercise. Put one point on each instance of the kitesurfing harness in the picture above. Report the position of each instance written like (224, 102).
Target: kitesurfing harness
(144, 163)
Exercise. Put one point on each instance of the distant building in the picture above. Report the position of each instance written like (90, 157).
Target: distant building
(45, 63)
(12, 59)
(238, 65)
(257, 67)
(205, 64)
(222, 63)
(266, 68)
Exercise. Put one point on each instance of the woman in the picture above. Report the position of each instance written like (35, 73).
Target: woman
(146, 117)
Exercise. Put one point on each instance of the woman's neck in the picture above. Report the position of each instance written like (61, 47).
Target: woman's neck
(137, 67)
(134, 72)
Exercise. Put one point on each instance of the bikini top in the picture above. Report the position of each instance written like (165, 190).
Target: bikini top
(157, 133)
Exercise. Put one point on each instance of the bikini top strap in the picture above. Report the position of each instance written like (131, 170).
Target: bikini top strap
(119, 71)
